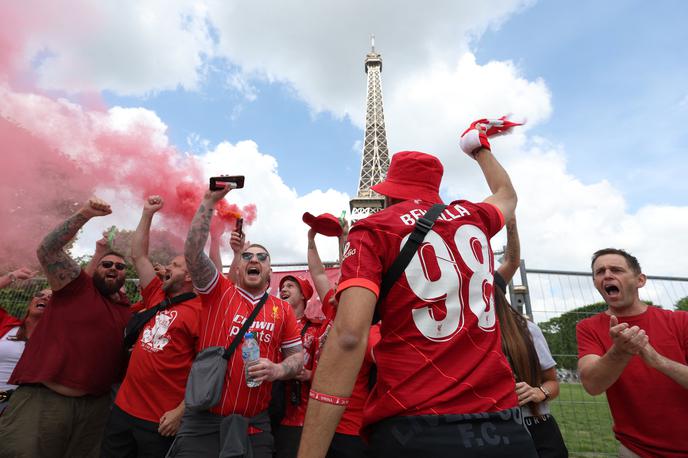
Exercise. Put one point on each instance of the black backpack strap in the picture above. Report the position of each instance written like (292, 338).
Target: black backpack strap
(139, 320)
(305, 328)
(247, 324)
(423, 226)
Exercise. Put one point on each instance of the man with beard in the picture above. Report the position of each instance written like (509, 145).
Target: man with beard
(638, 355)
(226, 306)
(149, 404)
(74, 355)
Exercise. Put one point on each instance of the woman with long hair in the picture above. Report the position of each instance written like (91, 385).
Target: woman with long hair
(14, 333)
(526, 349)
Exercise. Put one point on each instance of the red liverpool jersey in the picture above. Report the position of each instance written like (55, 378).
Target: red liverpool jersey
(440, 350)
(162, 357)
(225, 309)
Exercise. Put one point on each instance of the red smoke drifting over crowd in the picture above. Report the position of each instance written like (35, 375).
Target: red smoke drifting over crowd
(57, 154)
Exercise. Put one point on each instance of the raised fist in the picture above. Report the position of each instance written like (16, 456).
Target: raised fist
(95, 207)
(153, 204)
(476, 136)
(24, 273)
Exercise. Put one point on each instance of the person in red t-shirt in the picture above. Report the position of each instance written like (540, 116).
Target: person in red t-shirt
(444, 387)
(75, 353)
(149, 404)
(296, 290)
(638, 355)
(226, 307)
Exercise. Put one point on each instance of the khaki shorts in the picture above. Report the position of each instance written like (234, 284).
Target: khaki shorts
(41, 423)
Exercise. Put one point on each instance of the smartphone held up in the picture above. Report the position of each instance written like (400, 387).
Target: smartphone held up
(222, 182)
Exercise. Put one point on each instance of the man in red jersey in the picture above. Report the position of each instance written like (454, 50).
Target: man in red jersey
(149, 404)
(296, 290)
(638, 355)
(444, 387)
(241, 414)
(74, 355)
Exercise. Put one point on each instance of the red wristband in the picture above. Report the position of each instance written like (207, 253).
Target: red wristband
(329, 399)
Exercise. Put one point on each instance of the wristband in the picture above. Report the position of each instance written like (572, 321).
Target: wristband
(11, 276)
(329, 399)
(545, 391)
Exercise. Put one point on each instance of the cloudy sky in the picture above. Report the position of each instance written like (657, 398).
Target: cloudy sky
(276, 91)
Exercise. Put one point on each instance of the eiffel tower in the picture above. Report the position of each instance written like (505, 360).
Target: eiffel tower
(375, 160)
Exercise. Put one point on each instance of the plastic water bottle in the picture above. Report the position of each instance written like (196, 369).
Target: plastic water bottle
(250, 353)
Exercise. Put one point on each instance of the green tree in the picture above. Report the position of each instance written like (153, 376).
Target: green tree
(682, 304)
(560, 333)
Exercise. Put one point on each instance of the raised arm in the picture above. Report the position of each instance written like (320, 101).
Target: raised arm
(59, 268)
(512, 253)
(23, 273)
(102, 247)
(141, 238)
(316, 268)
(238, 243)
(503, 192)
(201, 268)
(216, 231)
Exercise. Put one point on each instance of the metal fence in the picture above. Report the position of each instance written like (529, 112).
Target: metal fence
(556, 300)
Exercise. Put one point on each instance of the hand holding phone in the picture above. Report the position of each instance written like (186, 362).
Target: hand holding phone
(221, 182)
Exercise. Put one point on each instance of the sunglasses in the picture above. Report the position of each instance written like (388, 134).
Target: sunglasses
(247, 256)
(41, 294)
(118, 265)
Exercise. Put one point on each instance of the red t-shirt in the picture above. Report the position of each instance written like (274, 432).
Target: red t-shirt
(440, 351)
(295, 415)
(649, 408)
(225, 308)
(162, 357)
(78, 341)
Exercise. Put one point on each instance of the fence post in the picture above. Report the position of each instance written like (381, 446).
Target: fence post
(520, 295)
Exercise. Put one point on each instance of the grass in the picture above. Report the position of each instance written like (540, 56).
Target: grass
(585, 422)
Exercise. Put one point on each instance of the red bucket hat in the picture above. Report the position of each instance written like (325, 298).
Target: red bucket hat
(412, 175)
(325, 224)
(305, 285)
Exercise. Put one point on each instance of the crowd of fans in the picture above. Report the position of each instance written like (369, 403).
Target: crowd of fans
(417, 352)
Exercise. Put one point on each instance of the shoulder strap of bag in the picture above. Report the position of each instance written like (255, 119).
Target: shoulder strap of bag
(247, 324)
(305, 328)
(139, 320)
(423, 226)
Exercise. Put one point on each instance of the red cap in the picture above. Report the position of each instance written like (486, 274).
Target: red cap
(412, 175)
(305, 285)
(325, 224)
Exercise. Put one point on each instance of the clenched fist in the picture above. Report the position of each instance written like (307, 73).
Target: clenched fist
(95, 207)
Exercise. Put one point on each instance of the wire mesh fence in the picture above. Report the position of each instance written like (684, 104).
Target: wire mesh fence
(557, 300)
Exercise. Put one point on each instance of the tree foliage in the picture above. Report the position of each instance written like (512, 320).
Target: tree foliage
(682, 304)
(560, 333)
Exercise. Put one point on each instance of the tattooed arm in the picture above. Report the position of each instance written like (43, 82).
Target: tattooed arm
(59, 268)
(512, 252)
(289, 368)
(201, 268)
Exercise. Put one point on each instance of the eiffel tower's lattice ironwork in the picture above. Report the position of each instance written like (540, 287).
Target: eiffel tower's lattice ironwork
(375, 160)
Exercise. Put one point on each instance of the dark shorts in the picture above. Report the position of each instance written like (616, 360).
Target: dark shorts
(547, 437)
(41, 423)
(287, 439)
(493, 435)
(208, 445)
(129, 437)
(347, 446)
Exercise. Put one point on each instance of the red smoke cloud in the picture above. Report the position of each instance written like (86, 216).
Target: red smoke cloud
(57, 154)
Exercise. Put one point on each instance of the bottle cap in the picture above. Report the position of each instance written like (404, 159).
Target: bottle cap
(248, 335)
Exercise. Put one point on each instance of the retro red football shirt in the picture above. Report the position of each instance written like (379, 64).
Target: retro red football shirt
(225, 309)
(162, 357)
(440, 350)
